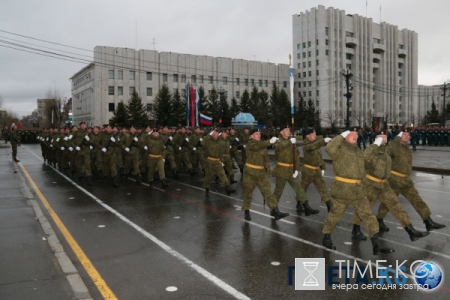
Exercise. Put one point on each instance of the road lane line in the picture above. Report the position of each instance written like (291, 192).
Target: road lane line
(84, 260)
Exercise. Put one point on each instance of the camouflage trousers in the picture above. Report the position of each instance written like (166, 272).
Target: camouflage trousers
(383, 191)
(198, 156)
(300, 195)
(257, 178)
(236, 156)
(226, 159)
(83, 159)
(96, 160)
(405, 186)
(14, 150)
(183, 157)
(170, 157)
(214, 167)
(315, 176)
(109, 164)
(154, 163)
(362, 210)
(131, 160)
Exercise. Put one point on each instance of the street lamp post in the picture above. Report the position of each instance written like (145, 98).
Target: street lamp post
(348, 95)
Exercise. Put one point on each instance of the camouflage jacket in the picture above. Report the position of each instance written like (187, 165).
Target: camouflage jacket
(214, 148)
(257, 155)
(401, 156)
(156, 146)
(377, 163)
(283, 154)
(312, 155)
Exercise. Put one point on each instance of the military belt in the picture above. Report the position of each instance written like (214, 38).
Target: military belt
(255, 167)
(226, 155)
(347, 180)
(284, 165)
(311, 167)
(213, 159)
(155, 156)
(375, 179)
(398, 174)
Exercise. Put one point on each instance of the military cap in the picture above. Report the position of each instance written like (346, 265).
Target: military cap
(254, 130)
(309, 130)
(82, 122)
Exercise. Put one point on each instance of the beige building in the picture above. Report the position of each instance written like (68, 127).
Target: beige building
(116, 72)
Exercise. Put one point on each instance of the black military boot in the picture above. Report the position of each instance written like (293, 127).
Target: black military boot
(216, 180)
(414, 235)
(232, 179)
(206, 192)
(328, 203)
(377, 247)
(299, 206)
(278, 214)
(247, 215)
(115, 181)
(431, 225)
(241, 168)
(151, 185)
(192, 172)
(383, 227)
(89, 180)
(164, 184)
(357, 234)
(327, 242)
(138, 179)
(229, 190)
(309, 210)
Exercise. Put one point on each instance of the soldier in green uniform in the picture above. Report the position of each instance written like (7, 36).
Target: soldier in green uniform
(226, 159)
(182, 148)
(197, 153)
(234, 153)
(108, 143)
(14, 139)
(64, 146)
(348, 164)
(167, 138)
(131, 154)
(214, 151)
(401, 182)
(256, 174)
(287, 170)
(96, 153)
(377, 164)
(313, 166)
(80, 144)
(156, 158)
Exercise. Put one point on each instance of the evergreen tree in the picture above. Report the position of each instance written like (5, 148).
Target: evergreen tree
(253, 101)
(234, 109)
(162, 106)
(433, 114)
(137, 111)
(225, 111)
(178, 110)
(310, 114)
(213, 107)
(300, 113)
(280, 107)
(203, 99)
(260, 108)
(245, 101)
(120, 117)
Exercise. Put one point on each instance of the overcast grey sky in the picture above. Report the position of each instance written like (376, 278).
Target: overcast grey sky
(247, 29)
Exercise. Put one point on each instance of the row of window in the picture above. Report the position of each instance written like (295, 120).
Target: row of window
(111, 90)
(309, 74)
(309, 93)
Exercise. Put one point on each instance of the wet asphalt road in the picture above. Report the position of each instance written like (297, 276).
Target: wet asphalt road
(143, 242)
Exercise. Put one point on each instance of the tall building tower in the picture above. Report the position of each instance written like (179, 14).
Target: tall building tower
(383, 60)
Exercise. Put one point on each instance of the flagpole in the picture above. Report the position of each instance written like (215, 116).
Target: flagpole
(291, 77)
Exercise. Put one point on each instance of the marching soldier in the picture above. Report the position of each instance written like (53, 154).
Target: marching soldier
(96, 153)
(234, 153)
(131, 150)
(109, 159)
(197, 153)
(156, 158)
(182, 148)
(313, 166)
(348, 164)
(80, 145)
(226, 159)
(401, 182)
(377, 164)
(256, 174)
(283, 171)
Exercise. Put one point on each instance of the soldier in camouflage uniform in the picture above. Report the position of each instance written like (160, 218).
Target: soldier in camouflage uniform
(313, 166)
(226, 159)
(256, 174)
(167, 139)
(131, 153)
(14, 138)
(234, 153)
(197, 153)
(81, 147)
(214, 151)
(64, 146)
(401, 182)
(377, 164)
(109, 144)
(348, 164)
(156, 158)
(287, 170)
(182, 149)
(96, 153)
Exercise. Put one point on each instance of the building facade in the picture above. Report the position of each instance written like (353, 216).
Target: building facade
(116, 72)
(383, 60)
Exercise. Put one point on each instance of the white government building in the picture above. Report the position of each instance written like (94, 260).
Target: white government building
(326, 42)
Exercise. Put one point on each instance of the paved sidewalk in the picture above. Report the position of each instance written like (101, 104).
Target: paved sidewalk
(29, 267)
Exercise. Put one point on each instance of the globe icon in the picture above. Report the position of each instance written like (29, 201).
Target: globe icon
(428, 275)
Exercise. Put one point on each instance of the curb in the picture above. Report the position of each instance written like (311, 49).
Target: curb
(73, 277)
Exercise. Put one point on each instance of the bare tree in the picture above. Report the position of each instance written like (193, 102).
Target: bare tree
(332, 118)
(54, 109)
(369, 118)
(359, 117)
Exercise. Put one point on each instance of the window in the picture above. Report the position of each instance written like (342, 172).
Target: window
(266, 83)
(284, 84)
(317, 92)
(304, 83)
(400, 46)
(348, 66)
(110, 90)
(299, 75)
(165, 77)
(317, 42)
(132, 90)
(237, 81)
(317, 72)
(326, 31)
(225, 80)
(299, 94)
(309, 64)
(201, 78)
(246, 82)
(120, 74)
(298, 66)
(193, 79)
(317, 62)
(120, 90)
(238, 95)
(309, 44)
(326, 42)
(252, 81)
(304, 45)
(304, 94)
(132, 75)
(309, 53)
(299, 84)
(274, 83)
(298, 55)
(149, 76)
(211, 79)
(304, 54)
(260, 83)
(326, 52)
(304, 74)
(298, 46)
(304, 64)
(348, 56)
(183, 78)
(309, 83)
(175, 77)
(149, 107)
(309, 73)
(317, 52)
(309, 93)
(149, 92)
(400, 74)
(111, 107)
(183, 92)
(110, 74)
(375, 40)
